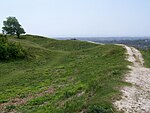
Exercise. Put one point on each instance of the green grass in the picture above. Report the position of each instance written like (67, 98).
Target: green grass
(84, 76)
(146, 55)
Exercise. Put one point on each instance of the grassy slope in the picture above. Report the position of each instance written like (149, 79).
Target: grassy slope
(146, 55)
(82, 76)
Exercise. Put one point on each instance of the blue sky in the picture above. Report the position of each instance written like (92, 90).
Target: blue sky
(85, 18)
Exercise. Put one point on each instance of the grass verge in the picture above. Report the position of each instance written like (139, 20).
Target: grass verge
(146, 55)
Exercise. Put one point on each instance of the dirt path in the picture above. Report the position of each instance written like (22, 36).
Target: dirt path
(135, 98)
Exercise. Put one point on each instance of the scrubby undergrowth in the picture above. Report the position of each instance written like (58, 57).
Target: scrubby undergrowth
(10, 50)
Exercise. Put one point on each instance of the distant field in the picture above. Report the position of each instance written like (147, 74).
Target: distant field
(62, 77)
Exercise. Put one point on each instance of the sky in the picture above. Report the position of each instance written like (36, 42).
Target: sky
(80, 18)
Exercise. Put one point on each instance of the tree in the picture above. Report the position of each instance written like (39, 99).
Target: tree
(12, 27)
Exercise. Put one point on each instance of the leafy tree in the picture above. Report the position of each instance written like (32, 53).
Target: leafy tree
(12, 27)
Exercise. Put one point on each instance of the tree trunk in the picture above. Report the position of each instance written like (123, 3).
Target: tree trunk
(18, 35)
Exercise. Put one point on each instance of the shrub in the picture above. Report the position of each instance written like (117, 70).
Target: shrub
(97, 109)
(9, 50)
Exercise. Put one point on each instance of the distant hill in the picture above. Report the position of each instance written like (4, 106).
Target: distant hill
(140, 43)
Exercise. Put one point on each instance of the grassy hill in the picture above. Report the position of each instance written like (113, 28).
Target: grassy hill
(62, 77)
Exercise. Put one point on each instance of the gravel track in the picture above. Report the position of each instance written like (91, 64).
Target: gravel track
(135, 98)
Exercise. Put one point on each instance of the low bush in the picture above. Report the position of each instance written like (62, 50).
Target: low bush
(97, 109)
(9, 50)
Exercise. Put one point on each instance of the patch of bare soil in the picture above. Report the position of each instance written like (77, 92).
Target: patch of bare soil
(135, 98)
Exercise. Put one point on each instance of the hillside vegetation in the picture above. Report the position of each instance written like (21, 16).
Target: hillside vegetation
(146, 55)
(62, 77)
(10, 50)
